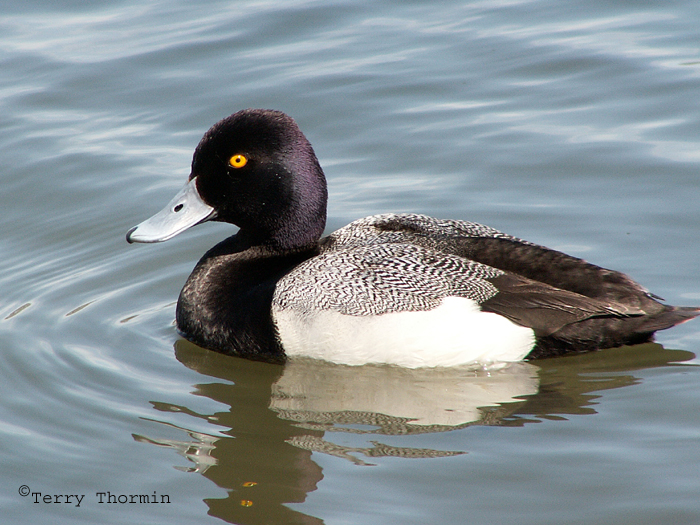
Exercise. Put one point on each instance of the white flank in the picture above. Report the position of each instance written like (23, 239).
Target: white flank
(455, 333)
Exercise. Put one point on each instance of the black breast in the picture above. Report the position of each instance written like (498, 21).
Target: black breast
(225, 303)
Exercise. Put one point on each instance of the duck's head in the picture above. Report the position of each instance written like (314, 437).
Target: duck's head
(254, 169)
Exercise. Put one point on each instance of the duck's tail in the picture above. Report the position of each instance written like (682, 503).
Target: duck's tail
(670, 316)
(607, 332)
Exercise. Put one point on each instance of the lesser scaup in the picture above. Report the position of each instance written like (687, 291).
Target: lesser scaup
(397, 288)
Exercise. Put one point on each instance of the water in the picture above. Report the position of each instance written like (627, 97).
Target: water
(571, 125)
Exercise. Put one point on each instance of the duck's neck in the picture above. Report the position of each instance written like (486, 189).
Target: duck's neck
(286, 237)
(297, 228)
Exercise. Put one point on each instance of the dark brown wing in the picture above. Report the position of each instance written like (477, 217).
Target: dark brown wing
(547, 309)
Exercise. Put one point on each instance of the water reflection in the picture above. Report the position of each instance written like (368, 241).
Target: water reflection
(260, 448)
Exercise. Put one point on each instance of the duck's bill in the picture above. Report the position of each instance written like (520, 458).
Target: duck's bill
(185, 210)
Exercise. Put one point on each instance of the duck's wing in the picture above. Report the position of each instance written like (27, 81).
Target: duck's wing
(547, 309)
(396, 277)
(493, 248)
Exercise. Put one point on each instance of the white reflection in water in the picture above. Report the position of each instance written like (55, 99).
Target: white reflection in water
(425, 397)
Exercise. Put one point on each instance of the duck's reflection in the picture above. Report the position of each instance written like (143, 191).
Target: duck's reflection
(260, 448)
(392, 400)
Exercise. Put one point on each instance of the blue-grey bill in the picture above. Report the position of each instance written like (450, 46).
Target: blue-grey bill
(185, 210)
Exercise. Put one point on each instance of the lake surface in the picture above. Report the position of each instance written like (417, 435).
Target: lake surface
(575, 125)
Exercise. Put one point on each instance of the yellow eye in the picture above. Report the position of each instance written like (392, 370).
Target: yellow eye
(238, 161)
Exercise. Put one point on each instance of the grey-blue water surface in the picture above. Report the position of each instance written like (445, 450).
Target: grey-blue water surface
(571, 124)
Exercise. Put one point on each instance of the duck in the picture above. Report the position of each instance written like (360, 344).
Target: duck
(397, 289)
